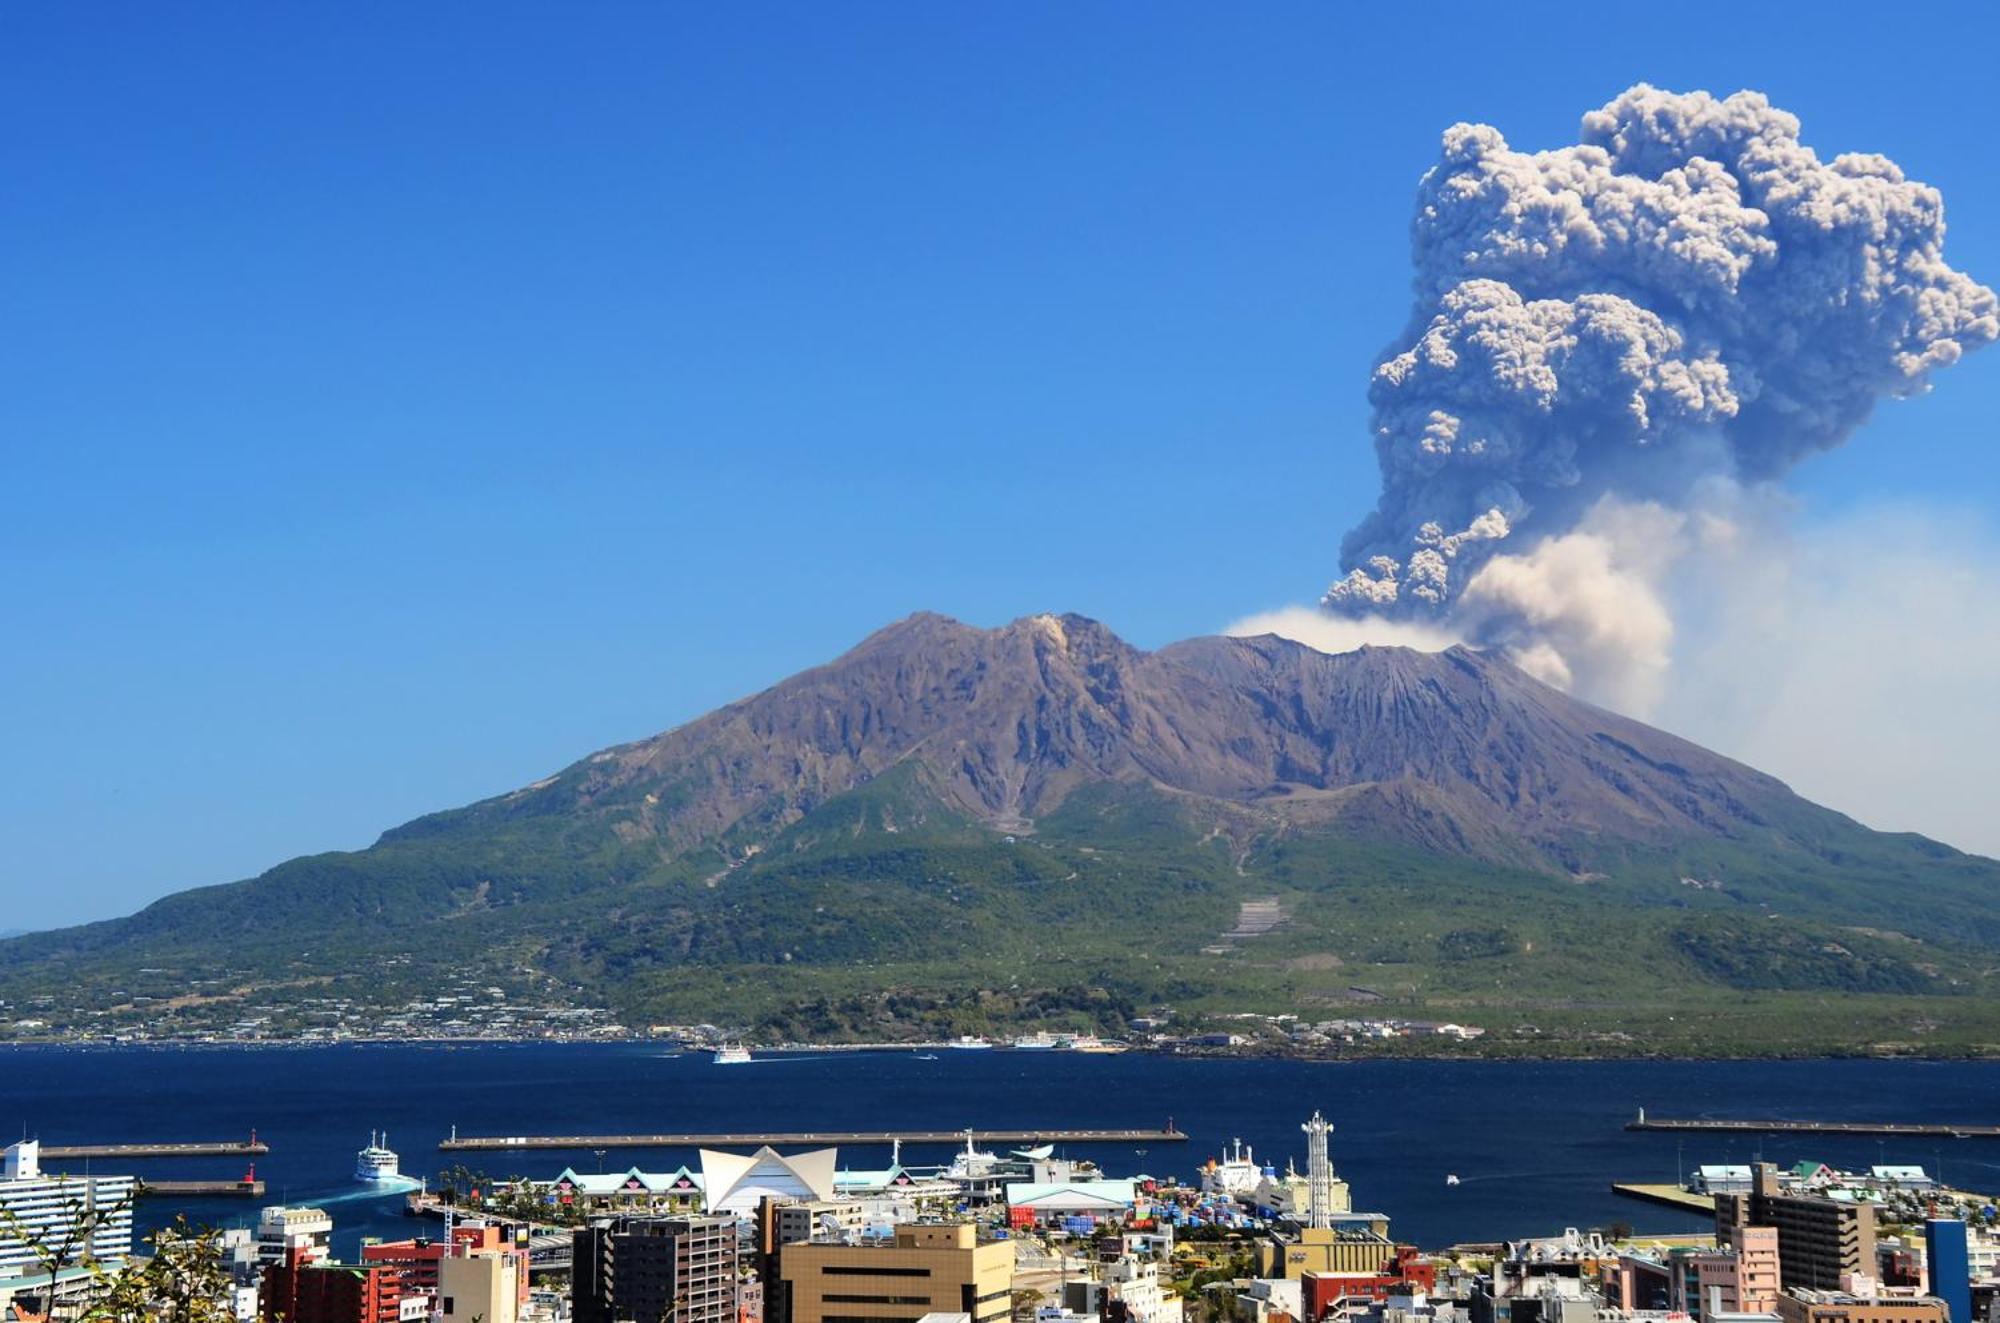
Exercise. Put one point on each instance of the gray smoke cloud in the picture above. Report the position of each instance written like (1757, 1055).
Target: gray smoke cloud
(1611, 343)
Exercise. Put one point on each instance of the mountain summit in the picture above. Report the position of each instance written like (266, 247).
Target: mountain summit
(1454, 749)
(944, 798)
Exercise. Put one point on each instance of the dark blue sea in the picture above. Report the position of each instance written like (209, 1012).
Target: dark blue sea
(1535, 1145)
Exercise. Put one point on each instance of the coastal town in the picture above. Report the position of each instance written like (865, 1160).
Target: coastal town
(784, 1233)
(476, 1010)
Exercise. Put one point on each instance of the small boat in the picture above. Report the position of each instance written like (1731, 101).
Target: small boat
(377, 1162)
(733, 1054)
(927, 1056)
(1451, 1179)
(969, 1043)
(1038, 1153)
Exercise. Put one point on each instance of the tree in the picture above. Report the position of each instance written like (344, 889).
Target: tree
(184, 1281)
(81, 1218)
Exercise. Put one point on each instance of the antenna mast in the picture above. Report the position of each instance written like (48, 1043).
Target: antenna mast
(1319, 1174)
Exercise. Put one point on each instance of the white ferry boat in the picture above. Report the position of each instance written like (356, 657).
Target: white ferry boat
(969, 1043)
(733, 1054)
(377, 1162)
(1035, 1042)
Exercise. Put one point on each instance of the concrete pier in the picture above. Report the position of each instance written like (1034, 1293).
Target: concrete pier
(1945, 1130)
(1673, 1196)
(225, 1148)
(250, 1189)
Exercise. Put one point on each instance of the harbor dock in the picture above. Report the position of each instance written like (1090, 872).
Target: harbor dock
(749, 1139)
(1673, 1196)
(222, 1148)
(248, 1189)
(1943, 1130)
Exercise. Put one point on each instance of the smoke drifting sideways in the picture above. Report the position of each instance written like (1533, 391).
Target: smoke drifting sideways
(1618, 348)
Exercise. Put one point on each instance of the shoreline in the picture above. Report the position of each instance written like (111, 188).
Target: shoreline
(1149, 1052)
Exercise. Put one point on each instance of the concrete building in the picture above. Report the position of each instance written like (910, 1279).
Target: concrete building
(926, 1268)
(669, 1269)
(1543, 1298)
(1127, 1290)
(816, 1219)
(1728, 1178)
(1135, 1285)
(1407, 1273)
(1809, 1306)
(1355, 1243)
(281, 1230)
(491, 1287)
(301, 1290)
(1742, 1278)
(1265, 1299)
(421, 1263)
(94, 1210)
(1822, 1243)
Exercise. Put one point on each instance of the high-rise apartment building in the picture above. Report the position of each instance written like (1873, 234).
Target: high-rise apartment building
(90, 1215)
(655, 1270)
(1820, 1241)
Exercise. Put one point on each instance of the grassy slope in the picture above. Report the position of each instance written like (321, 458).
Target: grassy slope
(883, 914)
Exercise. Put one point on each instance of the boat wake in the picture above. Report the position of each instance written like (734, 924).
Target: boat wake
(393, 1186)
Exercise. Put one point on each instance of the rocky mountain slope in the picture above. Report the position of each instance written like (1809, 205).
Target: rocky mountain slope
(1454, 749)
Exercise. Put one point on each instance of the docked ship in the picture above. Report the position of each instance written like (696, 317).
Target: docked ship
(1092, 1043)
(377, 1162)
(969, 1043)
(1237, 1175)
(1036, 1042)
(733, 1054)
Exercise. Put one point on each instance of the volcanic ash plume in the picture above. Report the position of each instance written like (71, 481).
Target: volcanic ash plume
(1611, 341)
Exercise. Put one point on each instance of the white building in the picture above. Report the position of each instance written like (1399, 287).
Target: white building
(281, 1230)
(733, 1183)
(1097, 1200)
(1136, 1282)
(1902, 1178)
(89, 1216)
(1272, 1295)
(837, 1220)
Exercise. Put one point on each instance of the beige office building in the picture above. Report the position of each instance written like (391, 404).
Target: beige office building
(926, 1269)
(486, 1287)
(1360, 1246)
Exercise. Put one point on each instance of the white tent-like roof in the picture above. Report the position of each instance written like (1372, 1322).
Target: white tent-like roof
(735, 1183)
(1073, 1196)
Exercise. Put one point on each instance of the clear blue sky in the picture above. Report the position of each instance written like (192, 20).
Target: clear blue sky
(399, 401)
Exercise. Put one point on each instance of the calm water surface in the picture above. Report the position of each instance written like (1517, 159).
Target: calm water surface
(1535, 1145)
